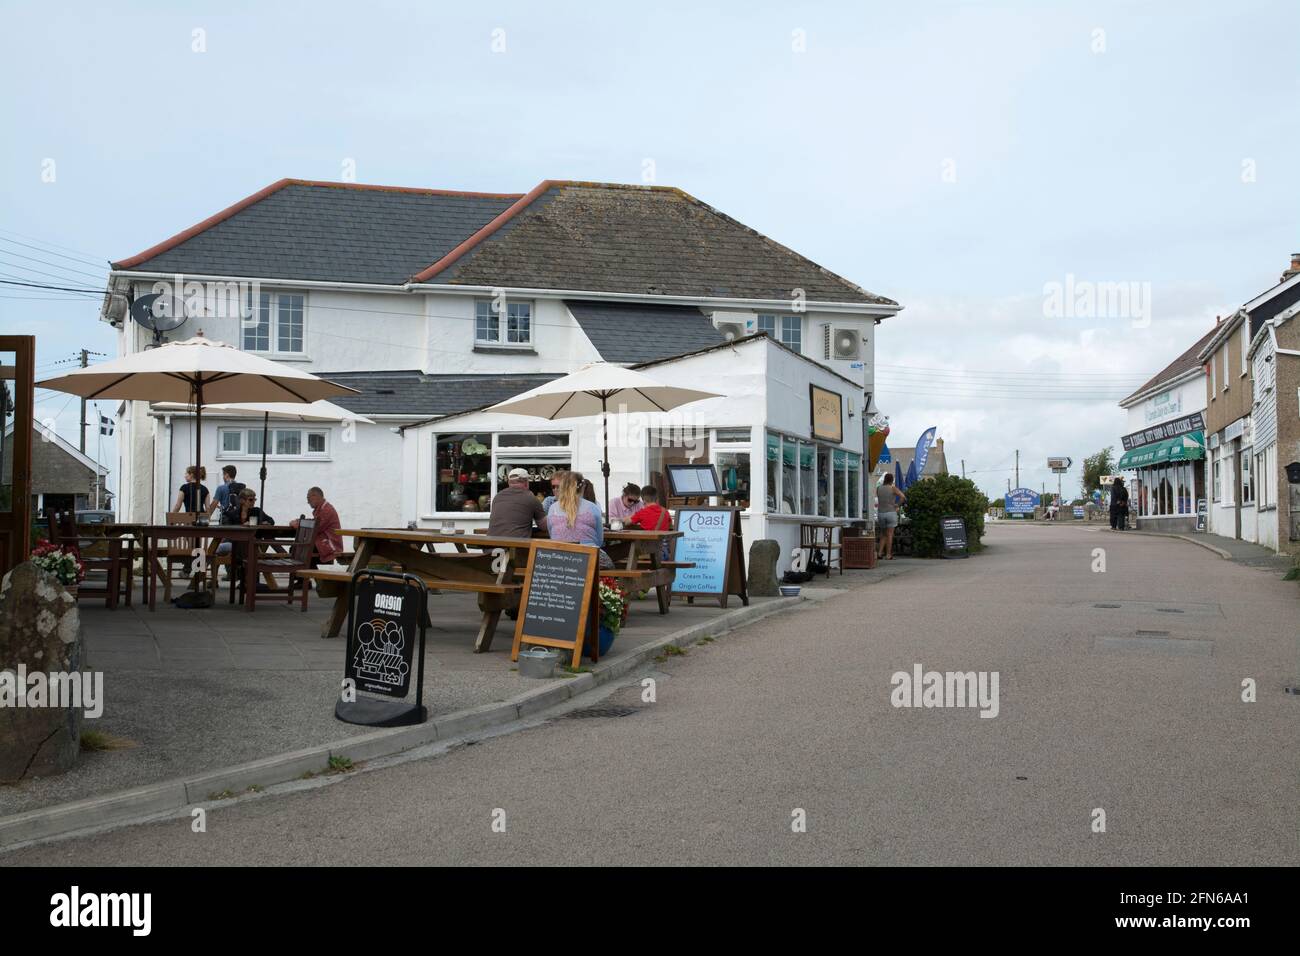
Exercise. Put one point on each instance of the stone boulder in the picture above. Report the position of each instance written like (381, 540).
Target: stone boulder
(39, 630)
(763, 555)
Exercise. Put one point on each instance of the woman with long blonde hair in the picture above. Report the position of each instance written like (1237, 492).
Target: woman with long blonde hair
(573, 518)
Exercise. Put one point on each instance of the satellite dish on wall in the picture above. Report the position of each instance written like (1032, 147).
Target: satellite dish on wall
(158, 313)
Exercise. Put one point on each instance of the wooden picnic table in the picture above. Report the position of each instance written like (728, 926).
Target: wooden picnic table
(239, 535)
(629, 547)
(490, 573)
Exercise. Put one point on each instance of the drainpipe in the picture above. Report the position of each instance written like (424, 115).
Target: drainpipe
(167, 421)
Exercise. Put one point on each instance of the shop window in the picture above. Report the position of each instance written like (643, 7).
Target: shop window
(824, 481)
(733, 473)
(789, 476)
(674, 446)
(807, 479)
(1247, 484)
(1185, 503)
(840, 504)
(533, 440)
(463, 467)
(1216, 478)
(853, 484)
(773, 475)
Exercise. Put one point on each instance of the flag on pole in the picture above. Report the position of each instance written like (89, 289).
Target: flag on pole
(105, 425)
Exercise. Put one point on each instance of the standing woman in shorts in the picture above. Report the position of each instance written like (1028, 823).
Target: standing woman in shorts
(888, 498)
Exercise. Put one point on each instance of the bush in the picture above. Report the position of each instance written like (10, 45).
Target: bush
(930, 499)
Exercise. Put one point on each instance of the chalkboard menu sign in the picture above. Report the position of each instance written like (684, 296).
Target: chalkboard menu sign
(711, 542)
(387, 613)
(555, 608)
(954, 536)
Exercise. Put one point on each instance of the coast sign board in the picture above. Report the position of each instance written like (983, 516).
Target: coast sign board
(711, 541)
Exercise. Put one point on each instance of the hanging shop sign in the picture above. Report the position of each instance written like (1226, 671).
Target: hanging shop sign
(827, 414)
(1179, 426)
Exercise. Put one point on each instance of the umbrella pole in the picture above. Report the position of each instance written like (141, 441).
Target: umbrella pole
(261, 497)
(604, 464)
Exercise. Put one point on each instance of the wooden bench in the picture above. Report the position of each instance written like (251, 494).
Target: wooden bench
(432, 583)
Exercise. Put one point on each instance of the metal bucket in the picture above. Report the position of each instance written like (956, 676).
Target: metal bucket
(538, 662)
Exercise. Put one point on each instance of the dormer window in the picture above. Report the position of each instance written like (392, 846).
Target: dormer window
(514, 329)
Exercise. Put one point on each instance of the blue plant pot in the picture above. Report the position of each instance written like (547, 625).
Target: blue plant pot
(606, 640)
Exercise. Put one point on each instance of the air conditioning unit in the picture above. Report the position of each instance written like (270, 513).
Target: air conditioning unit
(842, 345)
(732, 330)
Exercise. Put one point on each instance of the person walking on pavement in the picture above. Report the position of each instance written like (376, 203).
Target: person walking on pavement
(1118, 506)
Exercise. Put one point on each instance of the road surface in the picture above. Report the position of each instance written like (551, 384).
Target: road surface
(791, 721)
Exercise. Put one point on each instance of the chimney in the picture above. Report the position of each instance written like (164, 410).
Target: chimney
(1295, 267)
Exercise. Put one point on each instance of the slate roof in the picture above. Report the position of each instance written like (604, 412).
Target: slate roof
(631, 332)
(412, 392)
(333, 232)
(1179, 366)
(644, 240)
(599, 237)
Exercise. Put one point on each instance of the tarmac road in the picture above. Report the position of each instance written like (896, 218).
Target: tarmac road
(794, 713)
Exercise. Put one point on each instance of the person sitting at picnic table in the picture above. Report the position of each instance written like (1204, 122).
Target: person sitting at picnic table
(245, 511)
(226, 498)
(187, 498)
(328, 543)
(652, 516)
(242, 510)
(625, 505)
(514, 508)
(555, 490)
(572, 518)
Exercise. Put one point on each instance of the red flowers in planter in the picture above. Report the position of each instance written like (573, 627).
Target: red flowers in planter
(63, 561)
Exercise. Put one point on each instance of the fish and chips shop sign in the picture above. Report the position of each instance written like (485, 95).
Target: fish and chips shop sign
(1022, 501)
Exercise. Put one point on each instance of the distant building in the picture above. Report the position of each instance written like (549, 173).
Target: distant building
(936, 463)
(1252, 376)
(63, 479)
(1164, 448)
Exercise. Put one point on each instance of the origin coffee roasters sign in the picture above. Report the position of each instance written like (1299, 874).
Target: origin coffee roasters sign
(1179, 426)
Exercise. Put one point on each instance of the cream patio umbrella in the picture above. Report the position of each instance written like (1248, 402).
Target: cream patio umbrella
(591, 390)
(196, 372)
(321, 411)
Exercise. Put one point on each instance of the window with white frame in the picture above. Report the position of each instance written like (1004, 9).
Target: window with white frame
(1247, 484)
(809, 479)
(514, 328)
(1245, 344)
(1214, 379)
(786, 329)
(1265, 477)
(277, 324)
(282, 442)
(1226, 380)
(1218, 491)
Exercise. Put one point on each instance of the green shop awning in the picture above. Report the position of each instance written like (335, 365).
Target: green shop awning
(1189, 447)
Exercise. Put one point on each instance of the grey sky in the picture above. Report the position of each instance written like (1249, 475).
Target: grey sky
(953, 156)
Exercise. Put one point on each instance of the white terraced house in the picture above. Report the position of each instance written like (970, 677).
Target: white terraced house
(433, 303)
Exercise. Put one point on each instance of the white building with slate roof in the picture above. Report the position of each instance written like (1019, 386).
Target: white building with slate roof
(433, 302)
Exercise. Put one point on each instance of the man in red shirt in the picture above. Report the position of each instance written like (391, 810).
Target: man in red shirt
(328, 541)
(652, 516)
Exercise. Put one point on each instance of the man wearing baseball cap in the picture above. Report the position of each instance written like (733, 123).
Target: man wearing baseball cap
(515, 509)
